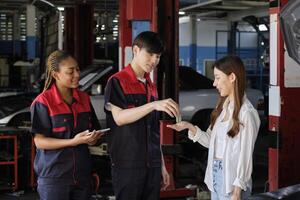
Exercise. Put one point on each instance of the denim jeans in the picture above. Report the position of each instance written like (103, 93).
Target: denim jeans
(217, 194)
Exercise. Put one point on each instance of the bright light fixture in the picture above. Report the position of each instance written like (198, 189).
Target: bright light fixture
(262, 27)
(61, 8)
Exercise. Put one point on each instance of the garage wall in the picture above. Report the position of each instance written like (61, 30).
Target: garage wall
(206, 42)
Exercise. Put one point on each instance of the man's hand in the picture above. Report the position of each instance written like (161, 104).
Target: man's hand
(167, 105)
(166, 177)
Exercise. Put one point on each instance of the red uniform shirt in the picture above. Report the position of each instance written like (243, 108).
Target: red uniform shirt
(52, 117)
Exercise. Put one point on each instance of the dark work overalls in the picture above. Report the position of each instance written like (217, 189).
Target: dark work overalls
(134, 148)
(63, 174)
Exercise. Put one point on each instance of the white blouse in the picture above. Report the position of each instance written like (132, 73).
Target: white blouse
(221, 132)
(237, 158)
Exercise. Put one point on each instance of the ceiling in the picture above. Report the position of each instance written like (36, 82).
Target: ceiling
(213, 8)
(224, 8)
(227, 5)
(101, 5)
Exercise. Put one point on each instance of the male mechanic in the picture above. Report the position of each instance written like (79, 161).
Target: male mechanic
(132, 107)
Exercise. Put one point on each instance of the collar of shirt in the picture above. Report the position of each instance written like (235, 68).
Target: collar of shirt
(133, 77)
(230, 105)
(143, 80)
(57, 97)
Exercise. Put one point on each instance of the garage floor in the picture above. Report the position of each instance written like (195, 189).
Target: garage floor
(259, 185)
(259, 177)
(34, 196)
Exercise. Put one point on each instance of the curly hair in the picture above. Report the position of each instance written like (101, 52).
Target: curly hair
(53, 61)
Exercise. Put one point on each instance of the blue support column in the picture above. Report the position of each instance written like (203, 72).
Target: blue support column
(193, 45)
(193, 56)
(31, 47)
(31, 36)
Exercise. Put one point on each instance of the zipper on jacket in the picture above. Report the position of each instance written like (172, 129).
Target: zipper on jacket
(146, 125)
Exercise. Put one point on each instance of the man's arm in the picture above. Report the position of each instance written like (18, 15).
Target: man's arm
(130, 115)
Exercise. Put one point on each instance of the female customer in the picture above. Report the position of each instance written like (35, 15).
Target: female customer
(231, 135)
(62, 118)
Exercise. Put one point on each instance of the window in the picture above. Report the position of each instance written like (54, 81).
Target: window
(6, 26)
(23, 27)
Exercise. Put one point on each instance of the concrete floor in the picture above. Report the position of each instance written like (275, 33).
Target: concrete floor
(34, 196)
(259, 185)
(259, 177)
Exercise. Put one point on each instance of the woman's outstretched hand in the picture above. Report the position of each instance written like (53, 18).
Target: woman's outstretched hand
(182, 125)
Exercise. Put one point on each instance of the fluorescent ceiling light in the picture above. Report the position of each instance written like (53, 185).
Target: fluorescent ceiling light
(61, 8)
(262, 27)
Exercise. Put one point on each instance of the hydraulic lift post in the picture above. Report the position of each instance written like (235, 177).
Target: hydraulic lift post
(284, 114)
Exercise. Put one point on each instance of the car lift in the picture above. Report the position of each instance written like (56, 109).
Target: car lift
(284, 109)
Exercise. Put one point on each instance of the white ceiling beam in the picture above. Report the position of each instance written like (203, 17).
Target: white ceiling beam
(202, 3)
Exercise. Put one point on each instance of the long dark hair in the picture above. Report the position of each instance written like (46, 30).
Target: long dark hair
(53, 61)
(228, 65)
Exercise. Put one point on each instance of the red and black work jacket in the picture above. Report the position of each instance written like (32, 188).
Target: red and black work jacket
(136, 144)
(54, 118)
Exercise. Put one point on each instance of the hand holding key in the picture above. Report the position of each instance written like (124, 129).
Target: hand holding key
(167, 105)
